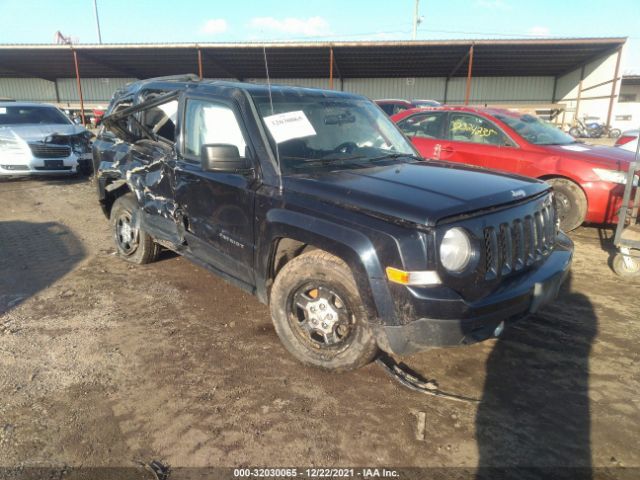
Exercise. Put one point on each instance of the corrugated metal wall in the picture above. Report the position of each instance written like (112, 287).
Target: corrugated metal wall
(28, 89)
(409, 88)
(93, 89)
(484, 89)
(502, 90)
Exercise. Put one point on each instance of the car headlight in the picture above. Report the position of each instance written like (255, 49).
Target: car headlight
(455, 250)
(614, 176)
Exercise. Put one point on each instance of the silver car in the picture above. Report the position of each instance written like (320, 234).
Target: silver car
(38, 139)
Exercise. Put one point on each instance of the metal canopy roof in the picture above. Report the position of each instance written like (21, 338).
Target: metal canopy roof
(308, 60)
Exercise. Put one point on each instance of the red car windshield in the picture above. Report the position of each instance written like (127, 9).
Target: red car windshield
(535, 131)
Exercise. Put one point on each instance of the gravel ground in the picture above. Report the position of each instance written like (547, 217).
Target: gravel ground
(103, 364)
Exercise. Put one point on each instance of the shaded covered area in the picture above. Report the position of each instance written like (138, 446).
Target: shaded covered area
(308, 60)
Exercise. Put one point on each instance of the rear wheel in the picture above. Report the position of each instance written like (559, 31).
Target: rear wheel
(318, 313)
(574, 132)
(571, 203)
(132, 243)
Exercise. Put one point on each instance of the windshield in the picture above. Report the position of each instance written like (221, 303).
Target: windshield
(536, 131)
(30, 115)
(316, 132)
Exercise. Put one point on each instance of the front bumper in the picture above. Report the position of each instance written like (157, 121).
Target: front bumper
(27, 164)
(471, 322)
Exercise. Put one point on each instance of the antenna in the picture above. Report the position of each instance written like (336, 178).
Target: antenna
(266, 67)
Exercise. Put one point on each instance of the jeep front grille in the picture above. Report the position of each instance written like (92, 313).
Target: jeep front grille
(43, 150)
(510, 247)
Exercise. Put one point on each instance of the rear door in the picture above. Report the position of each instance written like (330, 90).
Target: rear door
(475, 140)
(217, 207)
(426, 131)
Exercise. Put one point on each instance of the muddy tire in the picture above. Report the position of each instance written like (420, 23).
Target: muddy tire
(571, 203)
(132, 244)
(318, 313)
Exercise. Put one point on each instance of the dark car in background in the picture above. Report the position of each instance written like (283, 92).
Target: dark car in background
(588, 180)
(315, 202)
(393, 106)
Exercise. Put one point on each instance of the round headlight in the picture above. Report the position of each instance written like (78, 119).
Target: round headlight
(455, 250)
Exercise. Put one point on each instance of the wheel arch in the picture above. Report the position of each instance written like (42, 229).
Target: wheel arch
(289, 234)
(553, 176)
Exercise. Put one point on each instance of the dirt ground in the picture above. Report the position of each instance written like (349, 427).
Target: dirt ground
(107, 364)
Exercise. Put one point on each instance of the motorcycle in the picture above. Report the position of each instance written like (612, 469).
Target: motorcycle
(584, 129)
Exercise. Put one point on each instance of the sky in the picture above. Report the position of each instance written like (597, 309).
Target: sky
(133, 21)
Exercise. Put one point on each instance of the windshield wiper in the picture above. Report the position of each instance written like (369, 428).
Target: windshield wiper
(328, 161)
(394, 156)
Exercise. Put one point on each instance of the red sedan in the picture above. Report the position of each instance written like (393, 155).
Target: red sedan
(588, 180)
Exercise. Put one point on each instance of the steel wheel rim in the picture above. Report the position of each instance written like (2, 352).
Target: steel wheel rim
(563, 205)
(321, 317)
(126, 235)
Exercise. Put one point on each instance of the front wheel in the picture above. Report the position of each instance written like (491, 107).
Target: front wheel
(615, 133)
(571, 203)
(626, 267)
(133, 244)
(318, 314)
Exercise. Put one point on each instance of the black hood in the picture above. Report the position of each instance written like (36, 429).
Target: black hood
(421, 192)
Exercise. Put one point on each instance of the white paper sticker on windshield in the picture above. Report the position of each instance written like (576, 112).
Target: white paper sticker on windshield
(576, 148)
(285, 126)
(3, 110)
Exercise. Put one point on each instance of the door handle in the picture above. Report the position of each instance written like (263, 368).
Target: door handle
(447, 149)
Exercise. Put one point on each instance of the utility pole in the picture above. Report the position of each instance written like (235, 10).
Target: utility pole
(95, 9)
(416, 20)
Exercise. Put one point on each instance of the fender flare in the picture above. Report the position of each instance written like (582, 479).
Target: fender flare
(351, 245)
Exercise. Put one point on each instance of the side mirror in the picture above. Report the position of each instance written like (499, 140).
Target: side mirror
(221, 157)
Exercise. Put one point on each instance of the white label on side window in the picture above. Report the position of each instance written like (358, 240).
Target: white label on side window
(285, 126)
(3, 110)
(576, 148)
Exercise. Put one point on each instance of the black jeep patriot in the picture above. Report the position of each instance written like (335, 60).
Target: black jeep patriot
(316, 203)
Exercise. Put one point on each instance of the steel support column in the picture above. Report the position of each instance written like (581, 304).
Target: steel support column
(331, 68)
(79, 83)
(200, 63)
(613, 87)
(467, 94)
(575, 115)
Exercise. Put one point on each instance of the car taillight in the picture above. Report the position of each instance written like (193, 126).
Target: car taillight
(625, 139)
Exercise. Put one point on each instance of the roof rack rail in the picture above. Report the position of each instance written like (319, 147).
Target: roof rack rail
(186, 77)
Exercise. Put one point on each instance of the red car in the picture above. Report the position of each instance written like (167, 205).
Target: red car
(588, 180)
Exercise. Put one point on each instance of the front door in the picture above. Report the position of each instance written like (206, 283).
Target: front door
(216, 207)
(475, 140)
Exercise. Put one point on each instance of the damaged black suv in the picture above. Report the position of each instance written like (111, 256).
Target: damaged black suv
(316, 203)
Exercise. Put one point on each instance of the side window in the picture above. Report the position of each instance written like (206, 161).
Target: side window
(387, 108)
(161, 120)
(464, 127)
(207, 123)
(423, 125)
(121, 105)
(397, 108)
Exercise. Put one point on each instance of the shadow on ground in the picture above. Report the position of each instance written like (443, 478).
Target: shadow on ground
(32, 257)
(534, 419)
